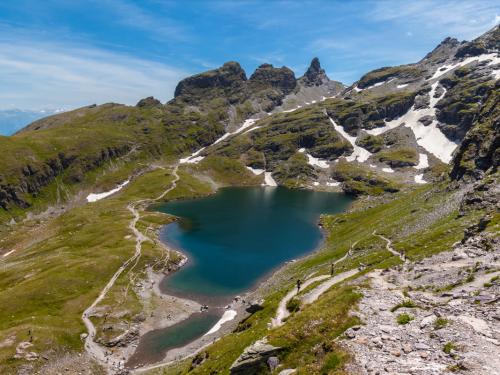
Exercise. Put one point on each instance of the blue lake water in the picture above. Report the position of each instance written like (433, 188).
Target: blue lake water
(233, 239)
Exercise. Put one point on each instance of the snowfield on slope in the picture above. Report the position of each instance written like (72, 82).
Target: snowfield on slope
(359, 153)
(429, 137)
(98, 196)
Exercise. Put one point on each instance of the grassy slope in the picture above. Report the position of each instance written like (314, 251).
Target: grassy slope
(62, 264)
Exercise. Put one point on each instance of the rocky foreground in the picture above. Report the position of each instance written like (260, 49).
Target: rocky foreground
(431, 317)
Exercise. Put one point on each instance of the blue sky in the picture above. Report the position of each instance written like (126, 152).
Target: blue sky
(69, 53)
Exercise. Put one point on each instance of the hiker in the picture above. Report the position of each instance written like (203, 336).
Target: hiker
(299, 283)
(331, 270)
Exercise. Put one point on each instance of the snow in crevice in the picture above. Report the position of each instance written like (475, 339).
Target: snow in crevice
(379, 84)
(269, 180)
(315, 162)
(359, 153)
(423, 162)
(332, 183)
(256, 171)
(96, 197)
(446, 68)
(419, 179)
(402, 86)
(226, 317)
(429, 137)
(194, 158)
(388, 170)
(292, 110)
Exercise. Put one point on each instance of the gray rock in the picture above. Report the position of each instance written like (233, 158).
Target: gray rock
(421, 346)
(273, 363)
(426, 120)
(254, 358)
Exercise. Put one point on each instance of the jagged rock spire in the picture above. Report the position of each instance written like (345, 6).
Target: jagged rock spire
(315, 75)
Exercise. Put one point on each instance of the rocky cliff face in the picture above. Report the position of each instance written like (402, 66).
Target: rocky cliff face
(36, 176)
(479, 152)
(226, 81)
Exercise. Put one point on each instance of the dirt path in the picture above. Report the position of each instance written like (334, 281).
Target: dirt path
(314, 294)
(95, 350)
(282, 312)
(389, 247)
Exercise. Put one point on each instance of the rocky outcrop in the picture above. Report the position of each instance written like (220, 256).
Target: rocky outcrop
(254, 358)
(33, 177)
(443, 51)
(149, 102)
(267, 76)
(489, 41)
(315, 75)
(370, 113)
(480, 150)
(464, 98)
(225, 80)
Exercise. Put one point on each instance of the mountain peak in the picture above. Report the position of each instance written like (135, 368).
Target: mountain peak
(315, 75)
(228, 75)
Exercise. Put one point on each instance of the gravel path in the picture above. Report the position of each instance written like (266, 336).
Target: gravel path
(95, 350)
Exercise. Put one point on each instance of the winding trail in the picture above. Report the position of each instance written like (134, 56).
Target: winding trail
(95, 350)
(389, 247)
(282, 313)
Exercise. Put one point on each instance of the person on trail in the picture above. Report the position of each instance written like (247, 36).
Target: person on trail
(299, 283)
(331, 270)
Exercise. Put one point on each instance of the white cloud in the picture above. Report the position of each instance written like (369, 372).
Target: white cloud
(450, 18)
(47, 75)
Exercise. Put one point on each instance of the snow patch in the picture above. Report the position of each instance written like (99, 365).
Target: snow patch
(194, 158)
(226, 317)
(333, 183)
(429, 137)
(316, 183)
(359, 153)
(388, 170)
(255, 171)
(96, 197)
(419, 179)
(423, 162)
(269, 180)
(402, 86)
(378, 84)
(8, 253)
(292, 110)
(496, 73)
(315, 162)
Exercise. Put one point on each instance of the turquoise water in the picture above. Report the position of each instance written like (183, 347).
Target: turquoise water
(233, 239)
(238, 235)
(153, 345)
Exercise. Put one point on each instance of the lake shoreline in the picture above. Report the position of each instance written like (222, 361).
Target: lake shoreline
(158, 322)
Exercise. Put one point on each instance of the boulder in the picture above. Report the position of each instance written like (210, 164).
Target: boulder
(254, 358)
(426, 120)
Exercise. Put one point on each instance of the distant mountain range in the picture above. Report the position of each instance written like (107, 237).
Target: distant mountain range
(12, 120)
